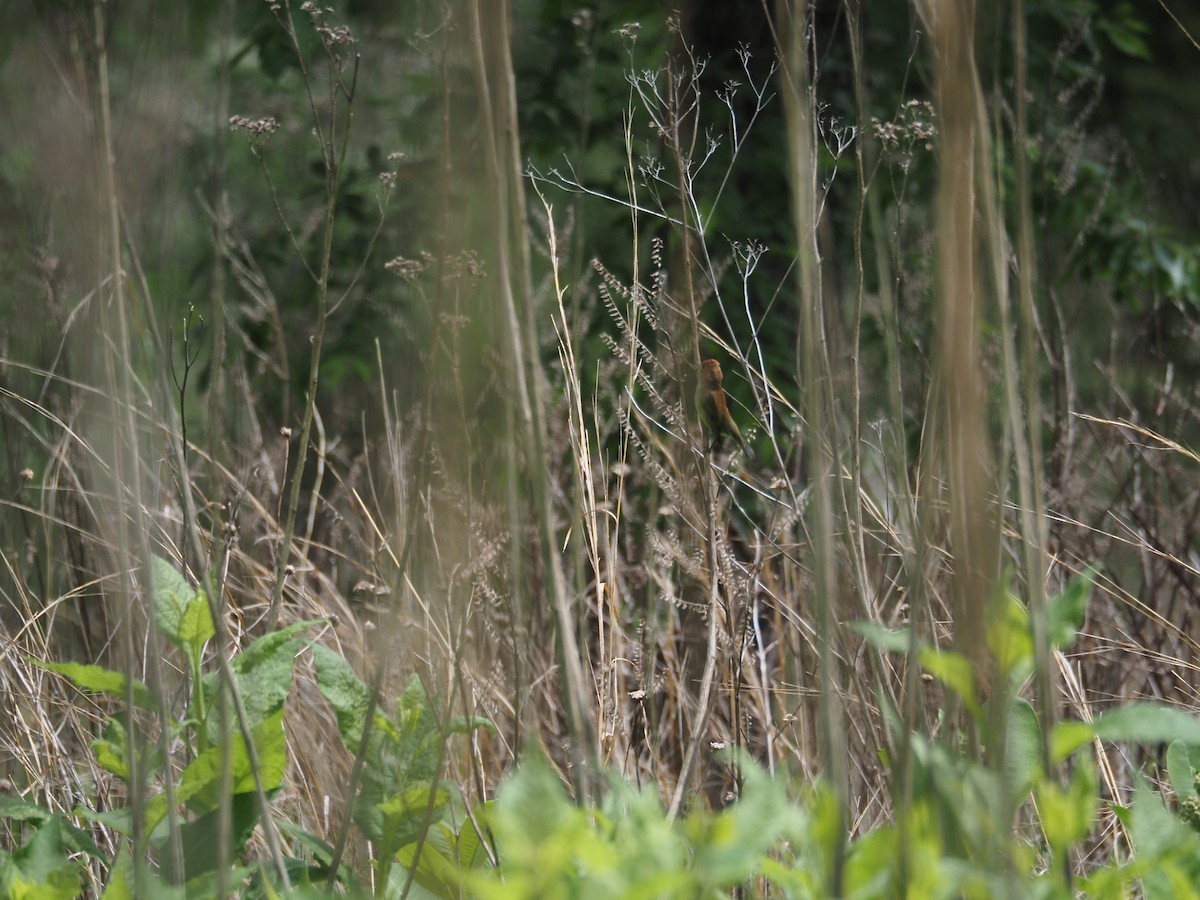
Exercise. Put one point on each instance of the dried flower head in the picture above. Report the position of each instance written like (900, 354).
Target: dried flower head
(403, 267)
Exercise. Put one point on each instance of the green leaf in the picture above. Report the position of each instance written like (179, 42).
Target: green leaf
(322, 852)
(402, 753)
(738, 837)
(206, 884)
(41, 869)
(1067, 814)
(437, 872)
(122, 881)
(1160, 839)
(955, 672)
(1140, 722)
(1183, 762)
(267, 647)
(119, 820)
(1023, 751)
(112, 749)
(470, 849)
(120, 878)
(196, 626)
(264, 676)
(404, 813)
(1067, 737)
(200, 783)
(173, 597)
(1128, 42)
(1149, 723)
(1065, 612)
(349, 696)
(1008, 635)
(14, 809)
(882, 637)
(200, 837)
(101, 681)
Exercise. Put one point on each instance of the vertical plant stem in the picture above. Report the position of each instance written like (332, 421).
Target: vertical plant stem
(1032, 479)
(126, 464)
(852, 504)
(800, 109)
(959, 384)
(705, 699)
(330, 161)
(217, 401)
(523, 349)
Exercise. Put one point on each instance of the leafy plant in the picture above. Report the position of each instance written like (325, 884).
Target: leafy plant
(224, 772)
(42, 867)
(402, 792)
(627, 846)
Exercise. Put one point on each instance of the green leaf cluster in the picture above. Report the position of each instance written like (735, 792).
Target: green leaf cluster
(221, 772)
(403, 805)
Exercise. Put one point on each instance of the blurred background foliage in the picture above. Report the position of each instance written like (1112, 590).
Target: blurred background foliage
(228, 223)
(1115, 173)
(1114, 189)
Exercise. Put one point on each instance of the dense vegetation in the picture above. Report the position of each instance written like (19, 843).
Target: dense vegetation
(364, 530)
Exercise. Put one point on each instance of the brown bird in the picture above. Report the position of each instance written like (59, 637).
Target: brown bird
(713, 408)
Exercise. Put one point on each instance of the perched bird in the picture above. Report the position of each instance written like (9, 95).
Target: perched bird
(713, 408)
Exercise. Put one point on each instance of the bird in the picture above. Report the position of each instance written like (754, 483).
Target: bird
(713, 407)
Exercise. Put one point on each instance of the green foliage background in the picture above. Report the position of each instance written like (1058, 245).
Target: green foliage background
(417, 629)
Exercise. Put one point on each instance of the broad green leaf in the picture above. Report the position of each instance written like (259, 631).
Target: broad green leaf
(1183, 762)
(322, 852)
(14, 809)
(737, 838)
(1149, 723)
(1138, 722)
(122, 881)
(1023, 750)
(267, 646)
(869, 868)
(17, 810)
(1162, 840)
(113, 752)
(205, 885)
(199, 838)
(882, 637)
(172, 597)
(41, 869)
(404, 813)
(437, 871)
(471, 852)
(196, 626)
(402, 753)
(1068, 736)
(1128, 41)
(955, 672)
(264, 676)
(119, 820)
(1067, 814)
(1008, 635)
(200, 783)
(1065, 612)
(411, 705)
(101, 681)
(1113, 880)
(120, 878)
(155, 810)
(111, 755)
(339, 685)
(412, 800)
